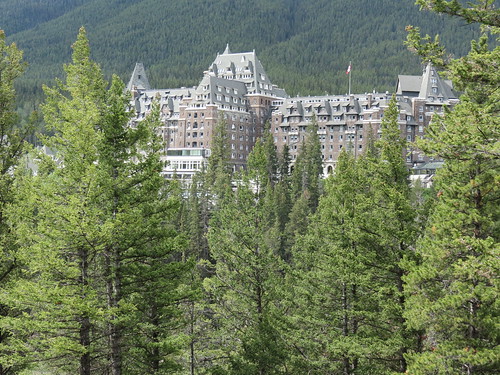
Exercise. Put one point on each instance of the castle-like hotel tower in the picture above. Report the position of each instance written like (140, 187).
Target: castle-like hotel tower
(236, 86)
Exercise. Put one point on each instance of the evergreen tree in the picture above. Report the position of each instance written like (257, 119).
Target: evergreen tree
(330, 283)
(452, 288)
(11, 148)
(142, 253)
(349, 276)
(306, 187)
(219, 169)
(57, 223)
(96, 235)
(390, 227)
(247, 273)
(308, 168)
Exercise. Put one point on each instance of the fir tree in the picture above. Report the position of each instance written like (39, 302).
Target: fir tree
(95, 229)
(219, 170)
(247, 274)
(11, 149)
(452, 290)
(349, 276)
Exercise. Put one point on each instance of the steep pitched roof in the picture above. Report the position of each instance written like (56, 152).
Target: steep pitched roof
(428, 85)
(433, 86)
(244, 67)
(139, 79)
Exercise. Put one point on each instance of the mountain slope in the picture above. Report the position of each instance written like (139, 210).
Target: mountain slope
(305, 46)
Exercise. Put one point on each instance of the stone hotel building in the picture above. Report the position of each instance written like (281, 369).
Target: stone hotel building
(237, 87)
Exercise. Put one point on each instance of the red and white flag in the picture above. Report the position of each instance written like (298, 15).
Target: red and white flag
(348, 69)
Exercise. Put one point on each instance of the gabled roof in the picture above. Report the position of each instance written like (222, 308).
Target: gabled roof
(244, 67)
(139, 79)
(428, 85)
(433, 86)
(409, 84)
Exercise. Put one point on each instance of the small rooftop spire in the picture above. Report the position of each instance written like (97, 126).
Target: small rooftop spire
(139, 79)
(227, 51)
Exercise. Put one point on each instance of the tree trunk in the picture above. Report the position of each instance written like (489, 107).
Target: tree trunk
(85, 325)
(113, 286)
(155, 336)
(345, 328)
(401, 300)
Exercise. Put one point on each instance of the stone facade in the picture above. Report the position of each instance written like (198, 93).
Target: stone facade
(237, 87)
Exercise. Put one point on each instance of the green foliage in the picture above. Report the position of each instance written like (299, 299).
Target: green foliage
(244, 290)
(348, 289)
(96, 236)
(452, 294)
(219, 169)
(177, 41)
(11, 149)
(308, 168)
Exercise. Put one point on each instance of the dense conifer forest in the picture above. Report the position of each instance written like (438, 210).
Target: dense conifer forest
(108, 268)
(305, 46)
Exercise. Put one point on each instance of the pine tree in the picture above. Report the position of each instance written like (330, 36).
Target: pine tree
(96, 232)
(247, 273)
(452, 288)
(219, 170)
(329, 281)
(307, 171)
(11, 149)
(57, 227)
(141, 243)
(349, 276)
(306, 187)
(391, 220)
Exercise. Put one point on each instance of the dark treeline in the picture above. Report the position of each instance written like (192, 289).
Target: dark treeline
(107, 268)
(305, 46)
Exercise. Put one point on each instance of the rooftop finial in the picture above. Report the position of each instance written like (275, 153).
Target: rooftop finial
(227, 51)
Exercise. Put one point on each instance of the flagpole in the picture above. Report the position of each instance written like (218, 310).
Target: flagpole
(350, 77)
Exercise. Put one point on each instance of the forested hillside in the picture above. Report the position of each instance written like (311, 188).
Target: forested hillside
(108, 268)
(304, 45)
